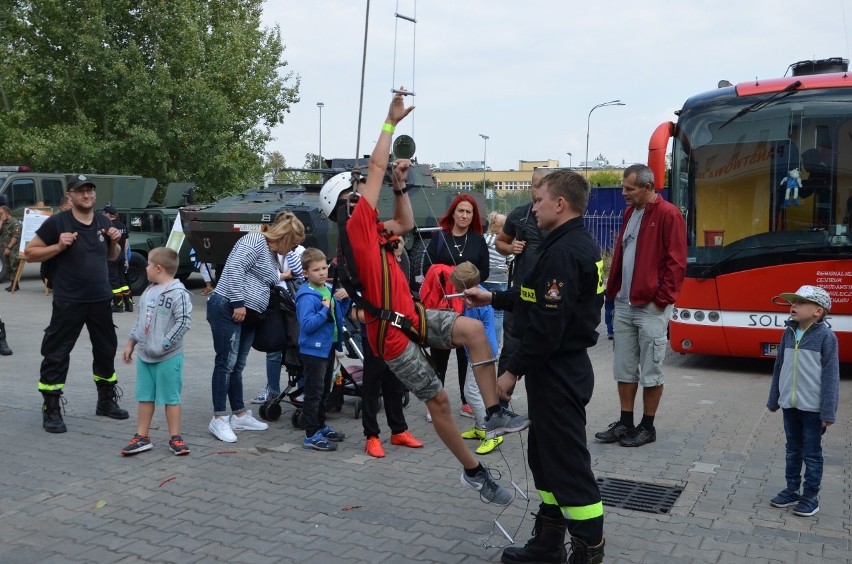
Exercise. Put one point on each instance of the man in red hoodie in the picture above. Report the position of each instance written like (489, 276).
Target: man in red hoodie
(646, 275)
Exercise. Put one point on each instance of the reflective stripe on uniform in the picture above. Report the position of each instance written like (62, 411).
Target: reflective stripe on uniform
(112, 378)
(578, 513)
(527, 294)
(49, 387)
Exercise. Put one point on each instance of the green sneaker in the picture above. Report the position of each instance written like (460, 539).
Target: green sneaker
(474, 434)
(487, 445)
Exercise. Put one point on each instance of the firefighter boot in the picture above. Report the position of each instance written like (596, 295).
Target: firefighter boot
(108, 402)
(128, 302)
(582, 553)
(4, 347)
(547, 543)
(51, 413)
(117, 305)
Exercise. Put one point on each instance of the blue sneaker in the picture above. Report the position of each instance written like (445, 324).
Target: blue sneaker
(318, 442)
(786, 498)
(807, 506)
(331, 434)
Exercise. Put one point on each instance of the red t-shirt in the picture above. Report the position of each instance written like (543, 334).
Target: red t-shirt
(365, 235)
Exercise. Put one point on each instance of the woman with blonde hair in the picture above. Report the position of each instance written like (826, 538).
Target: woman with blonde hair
(240, 296)
(498, 276)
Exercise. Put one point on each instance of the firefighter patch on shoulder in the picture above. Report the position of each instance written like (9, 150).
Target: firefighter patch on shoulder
(553, 294)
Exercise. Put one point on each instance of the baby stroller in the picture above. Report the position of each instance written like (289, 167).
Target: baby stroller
(270, 410)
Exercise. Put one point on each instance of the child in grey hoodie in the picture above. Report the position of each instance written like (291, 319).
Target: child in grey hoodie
(162, 319)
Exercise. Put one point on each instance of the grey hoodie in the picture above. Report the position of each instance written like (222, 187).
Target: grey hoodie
(162, 319)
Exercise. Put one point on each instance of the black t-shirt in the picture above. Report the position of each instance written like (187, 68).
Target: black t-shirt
(80, 274)
(521, 224)
(445, 249)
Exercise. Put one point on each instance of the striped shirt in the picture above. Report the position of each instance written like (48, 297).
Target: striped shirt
(249, 272)
(499, 267)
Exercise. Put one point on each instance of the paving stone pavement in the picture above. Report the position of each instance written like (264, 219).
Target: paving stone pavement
(73, 498)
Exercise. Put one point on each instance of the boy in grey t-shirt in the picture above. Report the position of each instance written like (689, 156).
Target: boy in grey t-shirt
(162, 319)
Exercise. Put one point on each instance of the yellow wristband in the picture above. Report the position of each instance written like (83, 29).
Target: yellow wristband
(389, 128)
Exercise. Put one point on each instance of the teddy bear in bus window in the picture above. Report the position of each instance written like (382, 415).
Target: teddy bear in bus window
(794, 182)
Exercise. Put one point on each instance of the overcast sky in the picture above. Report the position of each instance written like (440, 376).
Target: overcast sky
(527, 73)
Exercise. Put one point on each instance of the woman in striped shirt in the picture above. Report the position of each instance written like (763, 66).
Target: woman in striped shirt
(241, 294)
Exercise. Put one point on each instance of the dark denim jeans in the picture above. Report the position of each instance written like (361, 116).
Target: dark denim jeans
(804, 444)
(232, 343)
(273, 372)
(318, 373)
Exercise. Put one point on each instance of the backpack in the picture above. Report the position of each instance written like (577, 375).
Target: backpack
(64, 225)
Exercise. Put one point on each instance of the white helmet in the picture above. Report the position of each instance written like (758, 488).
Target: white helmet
(331, 190)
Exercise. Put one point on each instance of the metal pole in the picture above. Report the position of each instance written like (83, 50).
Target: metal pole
(569, 160)
(588, 122)
(320, 105)
(484, 159)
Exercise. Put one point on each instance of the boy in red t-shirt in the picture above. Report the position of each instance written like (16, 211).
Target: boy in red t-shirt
(386, 288)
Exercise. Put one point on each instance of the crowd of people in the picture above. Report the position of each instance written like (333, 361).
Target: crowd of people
(518, 300)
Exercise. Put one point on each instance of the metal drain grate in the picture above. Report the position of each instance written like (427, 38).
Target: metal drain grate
(640, 496)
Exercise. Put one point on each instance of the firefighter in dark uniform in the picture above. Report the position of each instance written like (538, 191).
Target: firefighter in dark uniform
(556, 314)
(122, 300)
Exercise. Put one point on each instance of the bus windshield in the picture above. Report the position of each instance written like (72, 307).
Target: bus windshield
(763, 184)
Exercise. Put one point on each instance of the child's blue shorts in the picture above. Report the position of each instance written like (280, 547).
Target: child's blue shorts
(160, 382)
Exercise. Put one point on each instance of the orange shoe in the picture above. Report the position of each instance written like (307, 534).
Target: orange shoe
(405, 439)
(374, 447)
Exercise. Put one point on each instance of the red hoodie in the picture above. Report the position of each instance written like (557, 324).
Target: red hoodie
(660, 256)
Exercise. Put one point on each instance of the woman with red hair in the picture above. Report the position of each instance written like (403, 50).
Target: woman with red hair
(459, 240)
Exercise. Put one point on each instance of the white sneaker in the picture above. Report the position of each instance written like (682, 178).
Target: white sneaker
(247, 423)
(222, 430)
(428, 415)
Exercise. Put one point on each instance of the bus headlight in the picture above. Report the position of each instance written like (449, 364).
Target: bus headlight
(686, 344)
(699, 316)
(684, 314)
(713, 316)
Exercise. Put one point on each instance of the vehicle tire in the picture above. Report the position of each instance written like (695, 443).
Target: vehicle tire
(416, 258)
(271, 411)
(136, 277)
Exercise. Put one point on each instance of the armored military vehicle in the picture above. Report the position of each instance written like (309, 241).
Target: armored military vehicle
(213, 229)
(148, 223)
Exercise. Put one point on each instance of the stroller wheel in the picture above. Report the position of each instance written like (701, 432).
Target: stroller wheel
(406, 398)
(358, 409)
(296, 419)
(271, 412)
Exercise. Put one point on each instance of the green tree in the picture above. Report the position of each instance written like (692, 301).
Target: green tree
(179, 90)
(605, 178)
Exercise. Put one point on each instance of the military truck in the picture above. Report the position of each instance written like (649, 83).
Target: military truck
(213, 229)
(148, 224)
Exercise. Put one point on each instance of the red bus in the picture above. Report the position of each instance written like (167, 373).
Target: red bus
(762, 172)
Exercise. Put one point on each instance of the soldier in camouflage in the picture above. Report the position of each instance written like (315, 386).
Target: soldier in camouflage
(10, 239)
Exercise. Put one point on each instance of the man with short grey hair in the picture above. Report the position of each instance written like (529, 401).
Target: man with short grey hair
(647, 272)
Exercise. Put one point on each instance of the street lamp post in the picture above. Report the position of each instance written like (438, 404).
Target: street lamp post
(588, 122)
(569, 160)
(484, 155)
(320, 105)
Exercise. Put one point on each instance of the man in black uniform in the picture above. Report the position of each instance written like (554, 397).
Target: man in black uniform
(121, 298)
(520, 239)
(556, 314)
(80, 242)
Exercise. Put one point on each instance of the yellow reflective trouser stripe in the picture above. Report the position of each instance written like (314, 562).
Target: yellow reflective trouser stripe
(116, 291)
(112, 378)
(579, 513)
(49, 387)
(122, 289)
